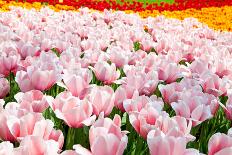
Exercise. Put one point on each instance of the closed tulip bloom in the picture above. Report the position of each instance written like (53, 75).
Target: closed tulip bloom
(102, 98)
(77, 79)
(33, 101)
(159, 143)
(105, 138)
(105, 72)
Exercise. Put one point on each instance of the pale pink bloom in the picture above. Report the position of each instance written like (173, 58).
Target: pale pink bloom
(159, 143)
(6, 148)
(220, 144)
(27, 49)
(221, 67)
(4, 87)
(36, 78)
(79, 150)
(170, 92)
(106, 137)
(11, 109)
(198, 67)
(145, 120)
(72, 110)
(105, 72)
(83, 151)
(175, 126)
(88, 44)
(122, 93)
(23, 81)
(195, 106)
(9, 58)
(77, 79)
(162, 46)
(36, 145)
(169, 72)
(137, 35)
(92, 57)
(213, 84)
(46, 44)
(147, 45)
(34, 124)
(28, 61)
(102, 99)
(150, 118)
(150, 62)
(33, 101)
(60, 46)
(70, 58)
(137, 79)
(136, 57)
(118, 56)
(136, 103)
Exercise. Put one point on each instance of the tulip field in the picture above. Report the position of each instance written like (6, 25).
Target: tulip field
(109, 77)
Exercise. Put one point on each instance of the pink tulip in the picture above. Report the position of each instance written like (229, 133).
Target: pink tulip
(159, 143)
(72, 110)
(102, 98)
(169, 72)
(162, 46)
(88, 44)
(195, 107)
(137, 103)
(35, 145)
(137, 56)
(212, 84)
(105, 138)
(33, 101)
(4, 87)
(220, 144)
(9, 58)
(147, 45)
(145, 120)
(34, 124)
(28, 49)
(199, 67)
(105, 72)
(46, 45)
(77, 80)
(221, 67)
(137, 79)
(171, 92)
(118, 58)
(35, 78)
(122, 93)
(6, 148)
(5, 133)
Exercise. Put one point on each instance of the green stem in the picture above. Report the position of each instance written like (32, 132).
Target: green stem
(70, 139)
(77, 136)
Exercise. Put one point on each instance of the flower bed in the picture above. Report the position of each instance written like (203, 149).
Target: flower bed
(137, 6)
(110, 83)
(218, 18)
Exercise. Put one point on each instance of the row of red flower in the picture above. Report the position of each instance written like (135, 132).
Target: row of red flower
(138, 6)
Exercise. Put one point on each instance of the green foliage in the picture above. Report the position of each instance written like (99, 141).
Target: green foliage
(137, 46)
